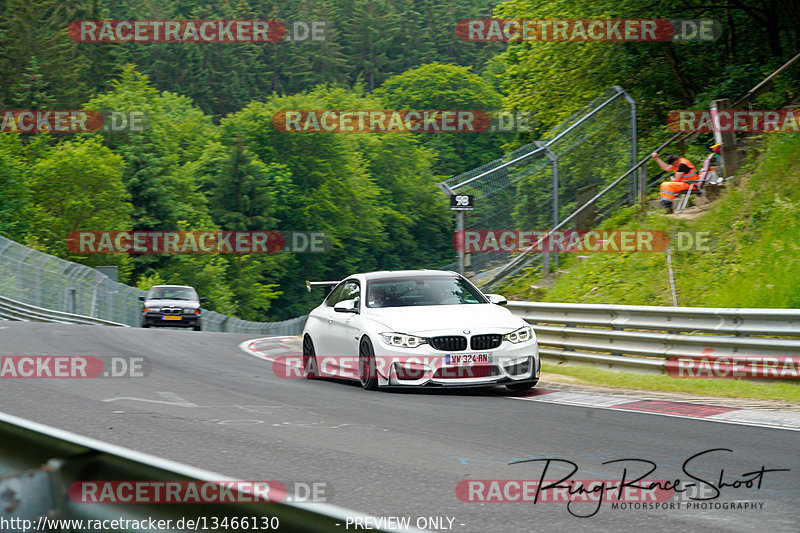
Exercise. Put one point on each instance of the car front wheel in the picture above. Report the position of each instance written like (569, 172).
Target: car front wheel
(367, 371)
(309, 359)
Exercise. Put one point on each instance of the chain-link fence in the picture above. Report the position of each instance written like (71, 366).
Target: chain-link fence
(213, 321)
(39, 279)
(539, 184)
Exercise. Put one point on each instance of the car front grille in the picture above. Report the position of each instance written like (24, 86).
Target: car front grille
(450, 343)
(460, 372)
(171, 311)
(486, 342)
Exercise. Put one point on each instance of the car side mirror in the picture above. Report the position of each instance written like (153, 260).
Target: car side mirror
(141, 298)
(201, 300)
(346, 306)
(497, 299)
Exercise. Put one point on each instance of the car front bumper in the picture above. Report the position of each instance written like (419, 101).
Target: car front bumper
(174, 321)
(426, 367)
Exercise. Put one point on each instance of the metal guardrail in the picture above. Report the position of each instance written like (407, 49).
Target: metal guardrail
(644, 337)
(44, 288)
(38, 464)
(14, 310)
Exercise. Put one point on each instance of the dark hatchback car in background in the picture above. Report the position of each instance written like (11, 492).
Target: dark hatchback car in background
(172, 306)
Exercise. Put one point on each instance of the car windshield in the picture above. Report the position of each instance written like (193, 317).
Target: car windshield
(171, 293)
(421, 290)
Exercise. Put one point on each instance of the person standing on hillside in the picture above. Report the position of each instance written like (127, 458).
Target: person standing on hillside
(684, 171)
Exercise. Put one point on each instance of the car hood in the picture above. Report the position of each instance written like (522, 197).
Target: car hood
(428, 318)
(186, 304)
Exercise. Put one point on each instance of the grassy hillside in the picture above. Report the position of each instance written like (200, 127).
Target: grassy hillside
(754, 248)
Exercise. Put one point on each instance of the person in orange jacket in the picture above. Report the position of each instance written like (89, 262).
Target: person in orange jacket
(684, 171)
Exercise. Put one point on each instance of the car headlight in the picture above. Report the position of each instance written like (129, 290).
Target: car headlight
(523, 334)
(401, 340)
(187, 311)
(152, 309)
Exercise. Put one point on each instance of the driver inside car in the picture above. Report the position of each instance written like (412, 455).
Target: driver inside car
(377, 297)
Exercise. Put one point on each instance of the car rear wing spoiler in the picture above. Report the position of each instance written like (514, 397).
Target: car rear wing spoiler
(311, 284)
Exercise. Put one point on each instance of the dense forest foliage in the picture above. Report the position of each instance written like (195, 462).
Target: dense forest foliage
(210, 158)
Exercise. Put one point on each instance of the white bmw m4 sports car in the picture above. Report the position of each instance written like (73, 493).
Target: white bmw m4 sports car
(418, 328)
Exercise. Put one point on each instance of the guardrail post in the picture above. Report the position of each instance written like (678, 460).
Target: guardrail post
(729, 153)
(554, 163)
(634, 138)
(32, 492)
(21, 296)
(111, 296)
(80, 282)
(93, 304)
(447, 190)
(460, 231)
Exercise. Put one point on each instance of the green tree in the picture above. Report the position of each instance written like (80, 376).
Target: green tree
(244, 195)
(174, 133)
(367, 29)
(242, 191)
(77, 185)
(557, 78)
(372, 194)
(448, 87)
(14, 193)
(41, 66)
(366, 41)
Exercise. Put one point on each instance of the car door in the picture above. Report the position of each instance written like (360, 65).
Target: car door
(323, 331)
(345, 331)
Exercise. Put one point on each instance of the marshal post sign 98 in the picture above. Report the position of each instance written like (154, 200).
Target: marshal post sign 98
(461, 202)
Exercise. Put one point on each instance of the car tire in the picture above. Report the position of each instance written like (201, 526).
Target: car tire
(309, 359)
(367, 370)
(197, 328)
(522, 386)
(145, 326)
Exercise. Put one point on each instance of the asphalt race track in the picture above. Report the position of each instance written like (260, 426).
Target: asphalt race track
(208, 404)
